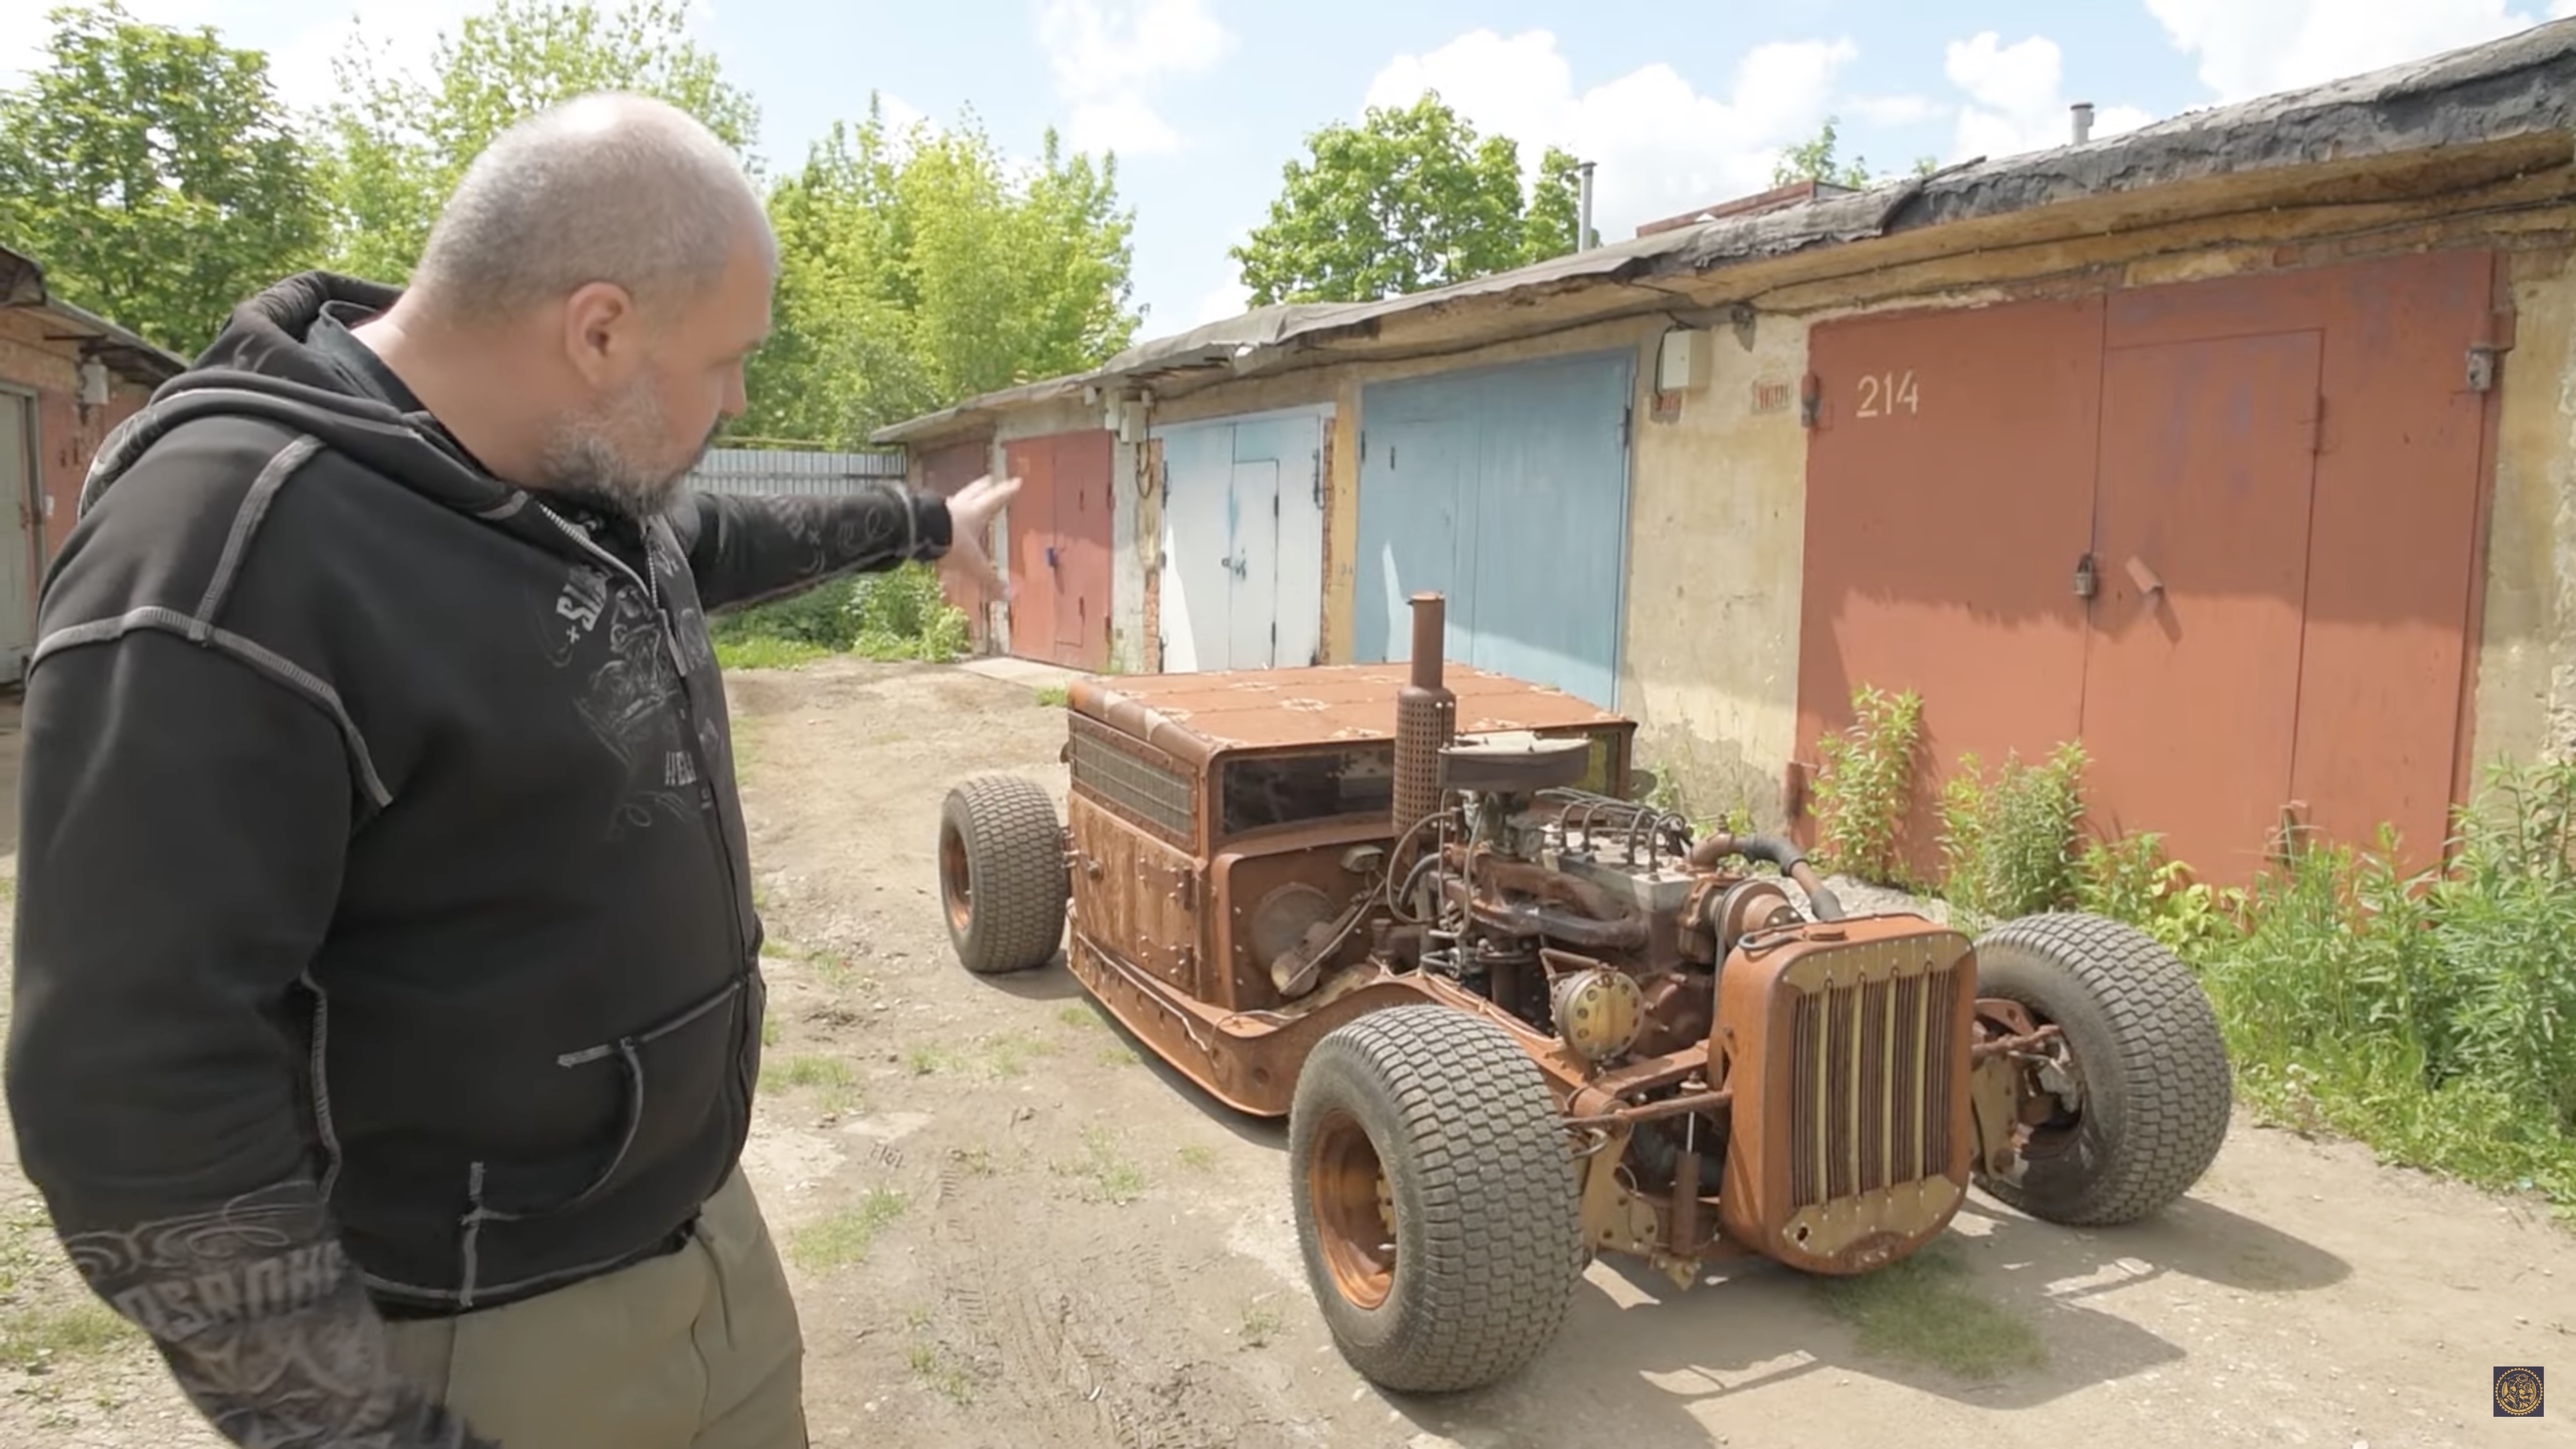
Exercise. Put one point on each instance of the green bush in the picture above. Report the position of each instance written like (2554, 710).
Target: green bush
(900, 614)
(2013, 847)
(1864, 787)
(2432, 1015)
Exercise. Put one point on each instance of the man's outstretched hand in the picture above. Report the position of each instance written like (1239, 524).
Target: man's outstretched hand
(971, 511)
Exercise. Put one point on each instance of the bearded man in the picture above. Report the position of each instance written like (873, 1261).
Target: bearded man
(388, 999)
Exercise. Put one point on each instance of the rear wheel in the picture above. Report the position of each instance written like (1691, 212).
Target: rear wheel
(1003, 884)
(2143, 1082)
(1437, 1203)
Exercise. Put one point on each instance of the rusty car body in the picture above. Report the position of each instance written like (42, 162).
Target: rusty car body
(1516, 1016)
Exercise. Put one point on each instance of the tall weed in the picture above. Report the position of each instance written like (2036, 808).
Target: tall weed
(2013, 846)
(2431, 1014)
(1864, 787)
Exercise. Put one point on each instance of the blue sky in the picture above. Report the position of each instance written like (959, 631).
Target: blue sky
(1204, 100)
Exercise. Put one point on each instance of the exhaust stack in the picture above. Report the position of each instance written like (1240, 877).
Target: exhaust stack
(1426, 720)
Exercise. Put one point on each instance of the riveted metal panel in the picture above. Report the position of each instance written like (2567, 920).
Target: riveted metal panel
(1949, 498)
(2384, 653)
(2275, 481)
(2191, 684)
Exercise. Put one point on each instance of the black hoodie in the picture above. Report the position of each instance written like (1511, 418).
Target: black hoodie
(383, 899)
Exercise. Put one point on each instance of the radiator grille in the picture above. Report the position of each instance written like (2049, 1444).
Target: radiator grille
(1145, 794)
(1870, 1068)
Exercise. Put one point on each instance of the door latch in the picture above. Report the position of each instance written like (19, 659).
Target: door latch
(2086, 582)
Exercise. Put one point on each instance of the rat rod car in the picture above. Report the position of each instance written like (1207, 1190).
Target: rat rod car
(1515, 1016)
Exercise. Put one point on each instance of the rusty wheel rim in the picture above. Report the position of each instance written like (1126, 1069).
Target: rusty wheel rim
(956, 889)
(1354, 1207)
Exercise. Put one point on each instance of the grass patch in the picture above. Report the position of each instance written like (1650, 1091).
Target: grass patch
(830, 1076)
(845, 1237)
(1118, 1054)
(1923, 1310)
(1008, 1054)
(1111, 1177)
(925, 1060)
(1054, 696)
(37, 1335)
(762, 651)
(900, 614)
(769, 1031)
(942, 1372)
(1261, 1323)
(46, 1315)
(1198, 1158)
(1080, 1017)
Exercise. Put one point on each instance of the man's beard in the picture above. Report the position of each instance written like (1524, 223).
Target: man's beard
(585, 463)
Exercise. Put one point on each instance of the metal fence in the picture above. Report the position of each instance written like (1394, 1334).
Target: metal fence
(759, 470)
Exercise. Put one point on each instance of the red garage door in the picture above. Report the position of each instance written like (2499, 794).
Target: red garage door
(2273, 482)
(1059, 546)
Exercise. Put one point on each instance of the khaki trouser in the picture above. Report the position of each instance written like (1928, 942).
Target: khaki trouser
(698, 1349)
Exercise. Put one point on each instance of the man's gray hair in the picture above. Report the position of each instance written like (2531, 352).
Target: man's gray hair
(606, 188)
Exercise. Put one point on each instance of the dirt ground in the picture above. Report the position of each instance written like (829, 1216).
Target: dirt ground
(1007, 1229)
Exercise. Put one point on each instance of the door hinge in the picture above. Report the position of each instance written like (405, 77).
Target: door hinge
(1363, 445)
(1627, 419)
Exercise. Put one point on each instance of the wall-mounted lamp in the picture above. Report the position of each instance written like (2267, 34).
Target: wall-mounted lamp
(93, 384)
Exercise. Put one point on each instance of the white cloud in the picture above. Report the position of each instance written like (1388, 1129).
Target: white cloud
(1106, 54)
(1226, 299)
(2015, 98)
(1907, 110)
(1660, 147)
(2249, 48)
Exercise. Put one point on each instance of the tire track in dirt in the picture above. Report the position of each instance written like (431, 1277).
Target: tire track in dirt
(1014, 1353)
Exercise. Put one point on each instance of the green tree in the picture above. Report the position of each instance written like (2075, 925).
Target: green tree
(400, 145)
(155, 174)
(922, 268)
(1814, 160)
(1407, 199)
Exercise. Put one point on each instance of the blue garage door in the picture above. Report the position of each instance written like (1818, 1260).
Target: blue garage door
(1507, 490)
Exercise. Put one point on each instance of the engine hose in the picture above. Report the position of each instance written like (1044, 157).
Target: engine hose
(1412, 878)
(1778, 851)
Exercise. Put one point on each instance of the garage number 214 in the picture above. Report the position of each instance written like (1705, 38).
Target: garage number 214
(1882, 393)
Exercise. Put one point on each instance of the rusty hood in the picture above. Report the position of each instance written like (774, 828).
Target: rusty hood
(1199, 716)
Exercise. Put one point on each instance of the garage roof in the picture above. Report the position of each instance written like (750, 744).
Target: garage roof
(2523, 85)
(22, 285)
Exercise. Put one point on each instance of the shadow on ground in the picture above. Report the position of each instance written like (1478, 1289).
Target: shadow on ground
(2001, 1293)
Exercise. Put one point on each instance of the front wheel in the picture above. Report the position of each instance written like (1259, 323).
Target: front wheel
(1437, 1202)
(1003, 885)
(2145, 1094)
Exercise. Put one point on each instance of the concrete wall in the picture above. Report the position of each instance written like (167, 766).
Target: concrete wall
(1717, 530)
(2526, 660)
